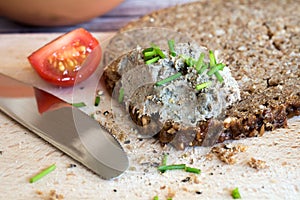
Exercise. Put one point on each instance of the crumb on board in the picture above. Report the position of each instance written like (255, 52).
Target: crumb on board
(257, 164)
(171, 193)
(52, 195)
(227, 152)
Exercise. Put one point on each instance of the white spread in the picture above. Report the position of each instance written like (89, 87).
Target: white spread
(178, 99)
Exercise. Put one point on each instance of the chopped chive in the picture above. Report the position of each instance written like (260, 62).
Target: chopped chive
(97, 101)
(212, 58)
(158, 51)
(155, 198)
(219, 77)
(153, 60)
(190, 61)
(121, 95)
(168, 79)
(164, 168)
(215, 68)
(147, 50)
(170, 198)
(203, 68)
(199, 62)
(192, 170)
(164, 161)
(203, 85)
(78, 105)
(42, 173)
(235, 193)
(150, 53)
(171, 47)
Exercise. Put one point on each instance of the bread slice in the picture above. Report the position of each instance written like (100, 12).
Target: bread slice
(260, 41)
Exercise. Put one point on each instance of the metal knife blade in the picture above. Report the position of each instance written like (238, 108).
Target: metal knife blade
(63, 126)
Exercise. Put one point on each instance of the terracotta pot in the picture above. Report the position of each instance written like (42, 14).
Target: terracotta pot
(55, 12)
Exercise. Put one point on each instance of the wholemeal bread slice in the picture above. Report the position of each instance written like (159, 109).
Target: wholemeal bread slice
(260, 41)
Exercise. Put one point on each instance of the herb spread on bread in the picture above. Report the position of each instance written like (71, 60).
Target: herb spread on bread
(168, 92)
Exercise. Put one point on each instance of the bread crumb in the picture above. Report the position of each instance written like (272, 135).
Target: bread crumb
(52, 195)
(38, 192)
(163, 187)
(257, 164)
(171, 193)
(227, 152)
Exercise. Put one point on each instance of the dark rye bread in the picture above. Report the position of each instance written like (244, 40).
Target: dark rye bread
(260, 41)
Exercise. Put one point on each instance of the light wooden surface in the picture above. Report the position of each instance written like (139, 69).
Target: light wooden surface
(23, 154)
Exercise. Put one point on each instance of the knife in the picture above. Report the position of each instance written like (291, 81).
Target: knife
(64, 126)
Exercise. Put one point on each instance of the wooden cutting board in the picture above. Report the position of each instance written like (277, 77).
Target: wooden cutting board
(23, 154)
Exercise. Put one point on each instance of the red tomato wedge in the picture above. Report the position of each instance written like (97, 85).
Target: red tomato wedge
(68, 59)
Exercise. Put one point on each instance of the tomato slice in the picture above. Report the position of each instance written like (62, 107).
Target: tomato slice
(69, 59)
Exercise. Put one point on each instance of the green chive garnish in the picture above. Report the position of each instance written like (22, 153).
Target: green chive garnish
(219, 77)
(236, 194)
(212, 59)
(42, 173)
(78, 105)
(153, 60)
(203, 68)
(150, 53)
(158, 51)
(171, 47)
(97, 101)
(168, 79)
(164, 168)
(155, 198)
(199, 62)
(203, 85)
(121, 95)
(192, 170)
(215, 68)
(190, 61)
(164, 161)
(147, 50)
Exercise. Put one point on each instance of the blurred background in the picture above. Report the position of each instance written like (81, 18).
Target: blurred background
(32, 16)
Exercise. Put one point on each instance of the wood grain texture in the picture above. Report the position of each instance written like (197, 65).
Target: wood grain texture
(23, 154)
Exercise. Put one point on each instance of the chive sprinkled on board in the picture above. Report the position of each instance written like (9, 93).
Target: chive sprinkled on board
(97, 101)
(155, 198)
(235, 193)
(168, 79)
(164, 161)
(78, 105)
(171, 44)
(164, 168)
(192, 170)
(42, 173)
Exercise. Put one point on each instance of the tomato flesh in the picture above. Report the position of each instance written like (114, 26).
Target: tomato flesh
(69, 59)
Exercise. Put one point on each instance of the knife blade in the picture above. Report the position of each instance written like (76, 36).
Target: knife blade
(64, 126)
